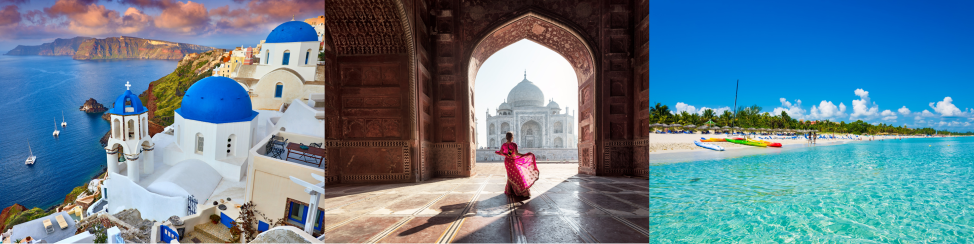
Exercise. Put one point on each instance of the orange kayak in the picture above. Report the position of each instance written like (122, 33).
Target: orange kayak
(712, 139)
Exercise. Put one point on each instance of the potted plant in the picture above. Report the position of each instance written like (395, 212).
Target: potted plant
(214, 218)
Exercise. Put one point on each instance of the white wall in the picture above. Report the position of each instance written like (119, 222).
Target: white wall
(297, 49)
(215, 144)
(122, 192)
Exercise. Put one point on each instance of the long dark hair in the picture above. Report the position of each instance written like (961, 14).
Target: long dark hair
(510, 136)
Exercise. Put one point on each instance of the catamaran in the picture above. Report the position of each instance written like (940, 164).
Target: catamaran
(56, 132)
(64, 123)
(31, 158)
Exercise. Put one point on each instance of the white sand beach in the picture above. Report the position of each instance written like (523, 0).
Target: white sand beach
(668, 143)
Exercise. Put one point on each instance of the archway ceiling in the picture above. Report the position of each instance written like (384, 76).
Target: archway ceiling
(365, 27)
(542, 32)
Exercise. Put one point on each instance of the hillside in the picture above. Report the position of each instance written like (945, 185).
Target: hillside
(165, 95)
(135, 48)
(60, 47)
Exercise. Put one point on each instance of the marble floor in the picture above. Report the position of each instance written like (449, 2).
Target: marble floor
(565, 207)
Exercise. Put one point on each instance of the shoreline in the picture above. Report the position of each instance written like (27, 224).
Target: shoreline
(674, 148)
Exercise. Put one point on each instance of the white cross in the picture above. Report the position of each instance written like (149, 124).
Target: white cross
(127, 85)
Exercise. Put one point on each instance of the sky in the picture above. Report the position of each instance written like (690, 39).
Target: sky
(216, 23)
(505, 69)
(895, 62)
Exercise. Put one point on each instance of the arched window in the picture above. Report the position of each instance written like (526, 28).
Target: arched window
(559, 143)
(267, 57)
(279, 90)
(287, 57)
(130, 129)
(307, 55)
(493, 143)
(505, 127)
(145, 127)
(230, 148)
(558, 127)
(199, 143)
(117, 125)
(492, 130)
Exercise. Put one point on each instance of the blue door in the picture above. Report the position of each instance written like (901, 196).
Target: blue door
(278, 90)
(287, 58)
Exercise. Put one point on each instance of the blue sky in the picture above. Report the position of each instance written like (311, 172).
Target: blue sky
(505, 69)
(866, 56)
(216, 23)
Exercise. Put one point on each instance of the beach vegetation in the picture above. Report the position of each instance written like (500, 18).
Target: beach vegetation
(752, 117)
(25, 216)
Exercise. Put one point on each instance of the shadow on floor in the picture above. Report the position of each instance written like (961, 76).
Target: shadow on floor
(439, 219)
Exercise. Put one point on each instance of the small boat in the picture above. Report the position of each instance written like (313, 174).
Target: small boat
(745, 142)
(770, 144)
(63, 122)
(712, 139)
(56, 132)
(31, 158)
(709, 146)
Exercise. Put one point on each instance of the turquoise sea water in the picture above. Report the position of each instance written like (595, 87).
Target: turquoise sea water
(912, 190)
(33, 91)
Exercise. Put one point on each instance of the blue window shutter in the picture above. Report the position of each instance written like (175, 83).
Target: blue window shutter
(287, 59)
(278, 90)
(306, 56)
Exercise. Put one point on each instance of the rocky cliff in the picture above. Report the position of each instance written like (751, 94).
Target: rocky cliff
(8, 212)
(135, 48)
(60, 47)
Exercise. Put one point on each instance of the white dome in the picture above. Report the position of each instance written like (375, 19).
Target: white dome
(553, 105)
(504, 106)
(526, 94)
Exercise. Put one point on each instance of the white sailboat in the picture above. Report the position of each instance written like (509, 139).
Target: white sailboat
(63, 122)
(56, 132)
(31, 158)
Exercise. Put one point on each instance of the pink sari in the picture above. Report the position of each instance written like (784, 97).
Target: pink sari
(522, 171)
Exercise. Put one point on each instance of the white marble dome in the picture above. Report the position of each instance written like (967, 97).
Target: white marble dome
(553, 105)
(526, 94)
(504, 106)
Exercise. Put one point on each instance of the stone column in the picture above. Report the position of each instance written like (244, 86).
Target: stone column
(133, 167)
(112, 160)
(149, 164)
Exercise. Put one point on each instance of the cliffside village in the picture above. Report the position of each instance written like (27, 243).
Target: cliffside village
(243, 161)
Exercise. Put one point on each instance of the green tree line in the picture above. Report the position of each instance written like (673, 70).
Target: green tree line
(752, 117)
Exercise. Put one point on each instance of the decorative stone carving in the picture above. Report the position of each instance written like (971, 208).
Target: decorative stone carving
(366, 27)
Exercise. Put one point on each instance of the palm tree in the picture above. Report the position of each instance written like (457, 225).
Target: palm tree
(660, 112)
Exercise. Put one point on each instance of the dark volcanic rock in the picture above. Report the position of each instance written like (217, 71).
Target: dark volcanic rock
(92, 106)
(60, 47)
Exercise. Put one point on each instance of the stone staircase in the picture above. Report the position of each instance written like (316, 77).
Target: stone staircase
(208, 233)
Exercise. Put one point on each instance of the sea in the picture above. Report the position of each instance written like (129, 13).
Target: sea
(34, 91)
(890, 191)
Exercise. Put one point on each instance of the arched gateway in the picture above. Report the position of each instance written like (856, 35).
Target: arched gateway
(400, 78)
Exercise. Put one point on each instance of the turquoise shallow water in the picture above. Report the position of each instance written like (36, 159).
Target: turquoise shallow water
(913, 190)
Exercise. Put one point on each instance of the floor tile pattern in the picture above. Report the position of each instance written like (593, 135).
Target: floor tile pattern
(564, 207)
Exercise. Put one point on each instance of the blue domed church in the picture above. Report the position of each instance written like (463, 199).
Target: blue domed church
(286, 67)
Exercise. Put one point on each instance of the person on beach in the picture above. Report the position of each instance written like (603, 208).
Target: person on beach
(522, 169)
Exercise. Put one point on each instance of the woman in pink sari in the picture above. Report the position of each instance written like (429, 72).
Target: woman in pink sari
(522, 170)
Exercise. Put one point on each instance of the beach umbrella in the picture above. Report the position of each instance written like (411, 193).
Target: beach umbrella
(703, 127)
(675, 125)
(710, 122)
(691, 126)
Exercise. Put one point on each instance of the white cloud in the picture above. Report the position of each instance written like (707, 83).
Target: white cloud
(927, 113)
(717, 111)
(888, 115)
(826, 110)
(861, 109)
(904, 110)
(680, 107)
(946, 108)
(794, 110)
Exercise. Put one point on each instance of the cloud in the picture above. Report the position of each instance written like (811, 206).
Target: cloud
(947, 109)
(84, 17)
(259, 13)
(14, 1)
(827, 110)
(794, 110)
(904, 110)
(680, 107)
(717, 111)
(888, 115)
(68, 7)
(9, 15)
(861, 109)
(159, 4)
(185, 18)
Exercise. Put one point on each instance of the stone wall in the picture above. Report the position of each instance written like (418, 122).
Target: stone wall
(565, 154)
